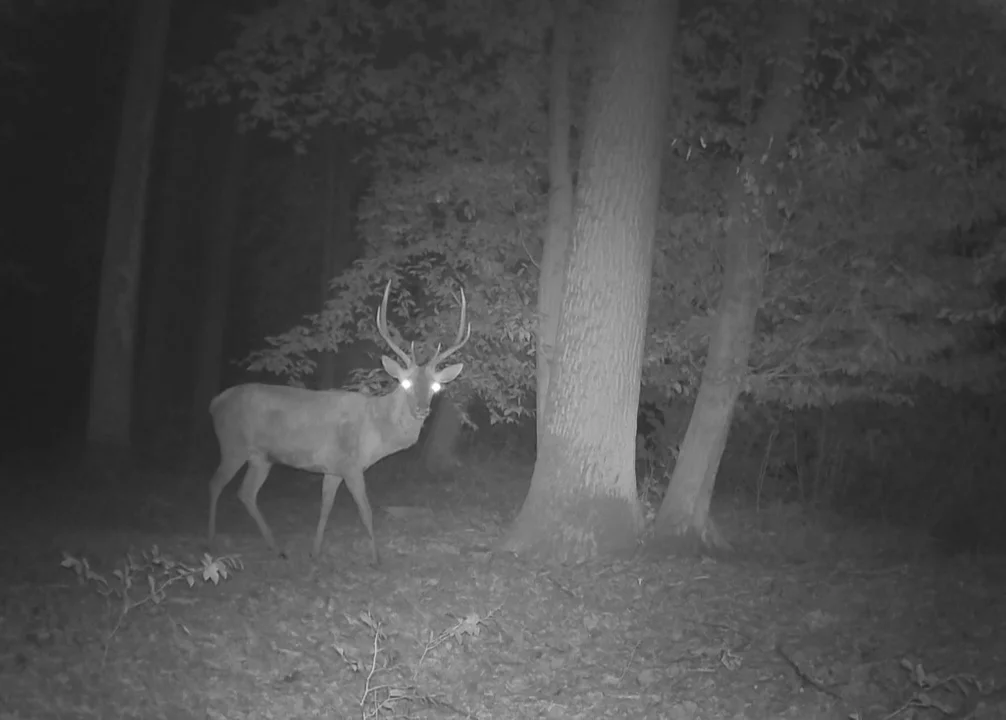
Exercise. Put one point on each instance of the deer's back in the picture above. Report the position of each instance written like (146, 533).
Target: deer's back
(330, 431)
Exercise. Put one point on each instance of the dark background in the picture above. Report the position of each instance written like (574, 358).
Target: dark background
(57, 164)
(60, 134)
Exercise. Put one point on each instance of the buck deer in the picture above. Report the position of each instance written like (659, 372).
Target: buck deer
(334, 432)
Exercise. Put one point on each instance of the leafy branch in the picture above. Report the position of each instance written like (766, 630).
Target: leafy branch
(145, 580)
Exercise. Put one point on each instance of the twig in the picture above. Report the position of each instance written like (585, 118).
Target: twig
(632, 656)
(529, 255)
(461, 627)
(367, 690)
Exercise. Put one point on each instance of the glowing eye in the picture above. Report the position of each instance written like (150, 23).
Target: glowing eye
(406, 383)
(435, 387)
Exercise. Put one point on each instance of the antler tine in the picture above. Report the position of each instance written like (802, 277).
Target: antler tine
(382, 327)
(460, 340)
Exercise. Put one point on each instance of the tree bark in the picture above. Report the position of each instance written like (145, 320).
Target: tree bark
(167, 233)
(753, 213)
(582, 500)
(218, 248)
(110, 414)
(560, 207)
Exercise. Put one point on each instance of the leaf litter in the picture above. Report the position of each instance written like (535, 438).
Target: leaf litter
(446, 628)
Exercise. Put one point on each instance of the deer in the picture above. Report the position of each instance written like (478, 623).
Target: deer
(337, 433)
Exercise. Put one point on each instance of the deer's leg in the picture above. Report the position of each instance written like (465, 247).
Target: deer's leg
(355, 483)
(258, 471)
(228, 468)
(329, 487)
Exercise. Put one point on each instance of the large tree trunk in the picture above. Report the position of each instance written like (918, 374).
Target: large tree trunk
(752, 204)
(110, 415)
(582, 499)
(560, 207)
(216, 275)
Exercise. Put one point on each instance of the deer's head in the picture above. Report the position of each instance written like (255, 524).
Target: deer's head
(421, 382)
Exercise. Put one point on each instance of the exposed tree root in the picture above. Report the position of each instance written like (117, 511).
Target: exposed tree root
(685, 539)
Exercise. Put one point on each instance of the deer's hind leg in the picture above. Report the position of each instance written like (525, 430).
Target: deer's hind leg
(329, 487)
(357, 486)
(258, 471)
(228, 468)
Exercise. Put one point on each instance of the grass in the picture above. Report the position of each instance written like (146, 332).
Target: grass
(816, 618)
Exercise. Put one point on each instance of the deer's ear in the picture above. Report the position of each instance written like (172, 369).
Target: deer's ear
(392, 368)
(448, 373)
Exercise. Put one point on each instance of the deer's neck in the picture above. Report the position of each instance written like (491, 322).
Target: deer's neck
(395, 422)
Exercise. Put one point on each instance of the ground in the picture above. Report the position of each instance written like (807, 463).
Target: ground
(810, 618)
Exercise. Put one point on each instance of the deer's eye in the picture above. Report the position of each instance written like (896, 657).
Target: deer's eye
(406, 383)
(435, 387)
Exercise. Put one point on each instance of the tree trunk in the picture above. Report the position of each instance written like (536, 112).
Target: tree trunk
(560, 207)
(216, 275)
(582, 499)
(753, 209)
(167, 233)
(110, 415)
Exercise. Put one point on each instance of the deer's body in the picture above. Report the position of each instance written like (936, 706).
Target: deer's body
(334, 432)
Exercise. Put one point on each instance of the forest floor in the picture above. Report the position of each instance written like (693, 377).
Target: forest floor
(815, 618)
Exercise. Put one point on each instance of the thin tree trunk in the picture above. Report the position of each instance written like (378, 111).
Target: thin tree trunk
(560, 207)
(216, 285)
(169, 225)
(582, 499)
(110, 415)
(753, 212)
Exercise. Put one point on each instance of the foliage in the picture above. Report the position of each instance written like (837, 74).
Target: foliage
(884, 254)
(408, 71)
(453, 100)
(945, 694)
(872, 289)
(864, 293)
(432, 253)
(138, 582)
(385, 699)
